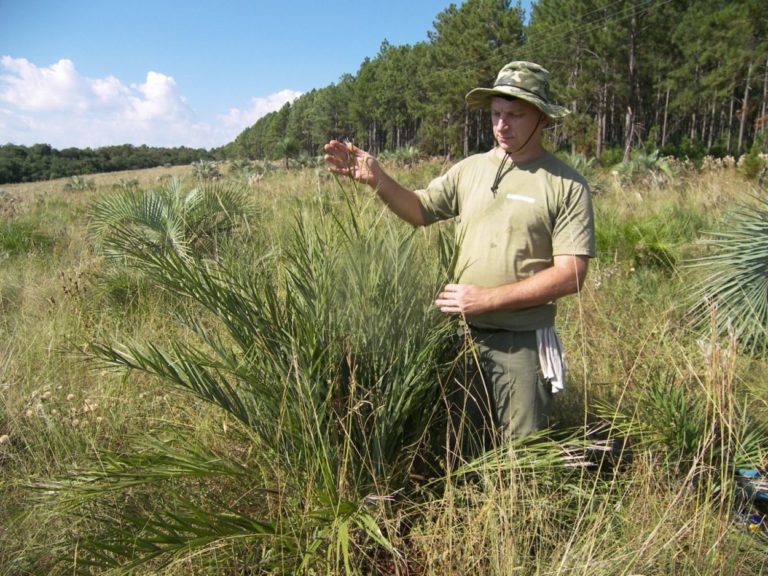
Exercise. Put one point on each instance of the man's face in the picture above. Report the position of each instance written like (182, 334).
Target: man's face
(514, 123)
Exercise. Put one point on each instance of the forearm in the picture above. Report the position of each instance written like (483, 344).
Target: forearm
(564, 278)
(400, 200)
(541, 288)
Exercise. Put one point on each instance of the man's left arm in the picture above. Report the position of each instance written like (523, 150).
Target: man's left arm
(564, 277)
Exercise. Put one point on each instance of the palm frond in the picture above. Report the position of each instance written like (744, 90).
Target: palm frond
(162, 537)
(215, 207)
(151, 214)
(170, 217)
(154, 461)
(186, 368)
(733, 285)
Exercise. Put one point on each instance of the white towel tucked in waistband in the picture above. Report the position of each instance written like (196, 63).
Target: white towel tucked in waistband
(551, 357)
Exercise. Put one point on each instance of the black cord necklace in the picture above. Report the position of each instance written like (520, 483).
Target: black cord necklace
(500, 173)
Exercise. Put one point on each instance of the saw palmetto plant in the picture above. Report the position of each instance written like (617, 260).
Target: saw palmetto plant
(325, 355)
(172, 216)
(732, 284)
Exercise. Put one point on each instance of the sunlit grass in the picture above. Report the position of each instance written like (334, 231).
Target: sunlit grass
(128, 452)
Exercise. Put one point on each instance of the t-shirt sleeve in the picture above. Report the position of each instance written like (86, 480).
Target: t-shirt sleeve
(574, 230)
(439, 200)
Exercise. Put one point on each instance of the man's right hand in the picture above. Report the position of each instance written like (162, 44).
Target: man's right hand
(346, 159)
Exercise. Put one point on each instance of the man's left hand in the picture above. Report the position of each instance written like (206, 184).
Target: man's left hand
(462, 299)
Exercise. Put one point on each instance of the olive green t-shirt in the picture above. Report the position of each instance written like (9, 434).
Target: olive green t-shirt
(541, 209)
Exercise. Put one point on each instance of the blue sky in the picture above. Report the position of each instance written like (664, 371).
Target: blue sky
(90, 73)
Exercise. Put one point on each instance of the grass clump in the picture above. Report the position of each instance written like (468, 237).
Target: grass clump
(20, 236)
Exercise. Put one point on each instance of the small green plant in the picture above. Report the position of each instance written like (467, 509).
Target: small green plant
(306, 160)
(584, 166)
(406, 156)
(611, 157)
(206, 170)
(650, 167)
(79, 183)
(126, 184)
(239, 167)
(123, 289)
(246, 172)
(647, 242)
(753, 163)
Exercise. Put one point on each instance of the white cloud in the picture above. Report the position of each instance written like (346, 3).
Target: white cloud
(30, 88)
(259, 107)
(109, 90)
(58, 106)
(156, 100)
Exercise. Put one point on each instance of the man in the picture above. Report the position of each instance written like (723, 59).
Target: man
(525, 234)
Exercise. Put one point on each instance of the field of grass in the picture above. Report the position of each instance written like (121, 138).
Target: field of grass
(267, 395)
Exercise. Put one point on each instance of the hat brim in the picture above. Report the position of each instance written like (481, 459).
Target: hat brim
(481, 98)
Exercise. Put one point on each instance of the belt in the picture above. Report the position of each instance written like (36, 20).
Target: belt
(488, 330)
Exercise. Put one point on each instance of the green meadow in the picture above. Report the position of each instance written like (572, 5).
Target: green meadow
(237, 369)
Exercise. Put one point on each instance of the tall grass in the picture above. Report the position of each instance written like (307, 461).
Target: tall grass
(282, 408)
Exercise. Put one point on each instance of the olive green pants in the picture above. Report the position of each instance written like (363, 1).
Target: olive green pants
(504, 394)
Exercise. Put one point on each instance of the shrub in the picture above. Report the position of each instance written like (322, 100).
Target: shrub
(584, 166)
(170, 216)
(126, 184)
(649, 167)
(336, 386)
(79, 183)
(206, 170)
(611, 157)
(646, 242)
(752, 164)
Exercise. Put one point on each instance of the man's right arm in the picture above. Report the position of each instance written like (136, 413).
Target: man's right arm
(403, 202)
(347, 159)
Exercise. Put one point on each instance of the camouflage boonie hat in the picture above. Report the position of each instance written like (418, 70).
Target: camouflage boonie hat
(524, 80)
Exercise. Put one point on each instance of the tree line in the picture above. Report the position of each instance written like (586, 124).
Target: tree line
(687, 77)
(42, 162)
